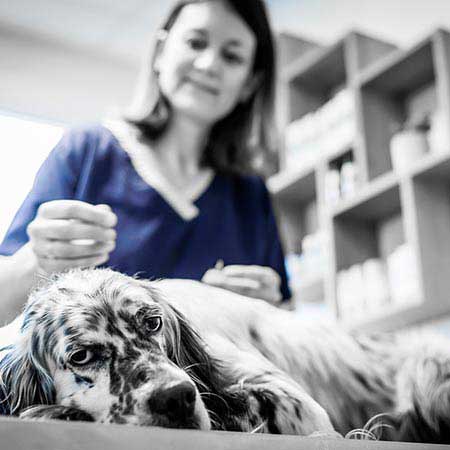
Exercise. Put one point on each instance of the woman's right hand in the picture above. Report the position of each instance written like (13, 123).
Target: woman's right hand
(69, 233)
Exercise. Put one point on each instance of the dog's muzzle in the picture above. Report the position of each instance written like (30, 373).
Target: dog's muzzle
(175, 405)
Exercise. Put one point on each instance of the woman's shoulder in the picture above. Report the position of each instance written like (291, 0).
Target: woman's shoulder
(93, 139)
(88, 133)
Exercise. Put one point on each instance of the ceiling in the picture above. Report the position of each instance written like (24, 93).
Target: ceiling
(121, 29)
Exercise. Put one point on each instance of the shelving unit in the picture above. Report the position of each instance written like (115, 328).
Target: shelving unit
(389, 87)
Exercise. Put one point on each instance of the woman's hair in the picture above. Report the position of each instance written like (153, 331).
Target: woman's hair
(242, 141)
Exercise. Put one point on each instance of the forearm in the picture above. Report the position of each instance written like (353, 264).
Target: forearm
(18, 275)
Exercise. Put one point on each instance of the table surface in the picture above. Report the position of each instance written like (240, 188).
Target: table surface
(57, 435)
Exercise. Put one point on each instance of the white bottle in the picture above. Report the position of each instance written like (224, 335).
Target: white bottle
(406, 148)
(439, 134)
(404, 276)
(332, 188)
(376, 284)
(348, 179)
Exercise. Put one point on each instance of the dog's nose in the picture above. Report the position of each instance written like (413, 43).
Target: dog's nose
(176, 402)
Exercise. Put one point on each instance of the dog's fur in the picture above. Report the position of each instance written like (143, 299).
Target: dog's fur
(89, 349)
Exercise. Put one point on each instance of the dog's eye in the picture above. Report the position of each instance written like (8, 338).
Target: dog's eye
(81, 357)
(153, 324)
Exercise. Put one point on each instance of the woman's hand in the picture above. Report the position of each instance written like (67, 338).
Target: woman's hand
(69, 233)
(252, 281)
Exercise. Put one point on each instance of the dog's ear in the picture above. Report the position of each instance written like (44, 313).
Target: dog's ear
(59, 412)
(24, 376)
(184, 345)
(187, 350)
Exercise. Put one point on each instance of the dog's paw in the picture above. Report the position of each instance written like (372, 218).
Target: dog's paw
(326, 435)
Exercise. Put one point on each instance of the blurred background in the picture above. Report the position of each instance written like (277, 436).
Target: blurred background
(362, 189)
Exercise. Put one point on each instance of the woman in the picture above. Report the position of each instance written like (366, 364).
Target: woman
(165, 193)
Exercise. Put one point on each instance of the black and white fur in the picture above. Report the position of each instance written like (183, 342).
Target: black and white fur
(101, 346)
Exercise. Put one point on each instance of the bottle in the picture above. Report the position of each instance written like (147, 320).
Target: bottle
(332, 189)
(406, 148)
(349, 179)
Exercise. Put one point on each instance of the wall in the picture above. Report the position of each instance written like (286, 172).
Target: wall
(39, 78)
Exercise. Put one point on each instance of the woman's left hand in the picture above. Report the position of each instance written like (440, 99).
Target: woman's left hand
(252, 281)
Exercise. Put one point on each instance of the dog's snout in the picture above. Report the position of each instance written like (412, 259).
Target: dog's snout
(176, 402)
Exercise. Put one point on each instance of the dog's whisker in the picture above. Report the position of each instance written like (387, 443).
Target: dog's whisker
(360, 434)
(214, 419)
(373, 419)
(190, 366)
(259, 427)
(212, 394)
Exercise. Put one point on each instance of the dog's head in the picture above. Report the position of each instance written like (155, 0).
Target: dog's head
(110, 346)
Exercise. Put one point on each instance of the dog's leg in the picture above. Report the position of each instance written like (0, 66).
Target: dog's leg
(59, 412)
(275, 402)
(277, 405)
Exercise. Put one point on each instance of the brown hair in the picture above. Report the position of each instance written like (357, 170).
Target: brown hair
(242, 141)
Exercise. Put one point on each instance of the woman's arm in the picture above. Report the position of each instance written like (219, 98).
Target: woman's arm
(65, 234)
(40, 239)
(18, 275)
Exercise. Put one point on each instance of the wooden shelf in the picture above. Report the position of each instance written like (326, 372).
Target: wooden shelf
(378, 199)
(390, 87)
(401, 72)
(434, 167)
(322, 70)
(293, 186)
(338, 153)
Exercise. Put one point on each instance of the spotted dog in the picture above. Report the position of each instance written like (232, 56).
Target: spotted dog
(100, 346)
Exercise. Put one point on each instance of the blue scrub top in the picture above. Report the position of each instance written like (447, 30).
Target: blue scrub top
(235, 221)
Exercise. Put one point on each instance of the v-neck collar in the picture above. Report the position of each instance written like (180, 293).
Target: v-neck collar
(148, 168)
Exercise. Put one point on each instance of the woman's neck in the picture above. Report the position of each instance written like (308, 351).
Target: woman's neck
(181, 146)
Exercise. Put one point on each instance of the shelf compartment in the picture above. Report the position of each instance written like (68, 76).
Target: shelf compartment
(326, 68)
(358, 239)
(431, 208)
(371, 235)
(297, 186)
(313, 79)
(435, 167)
(401, 72)
(376, 200)
(294, 196)
(291, 48)
(402, 90)
(319, 72)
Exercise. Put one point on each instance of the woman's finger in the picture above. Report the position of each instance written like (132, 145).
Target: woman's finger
(69, 250)
(265, 275)
(100, 215)
(66, 230)
(249, 287)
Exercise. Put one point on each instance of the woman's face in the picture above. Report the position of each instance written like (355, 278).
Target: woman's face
(205, 64)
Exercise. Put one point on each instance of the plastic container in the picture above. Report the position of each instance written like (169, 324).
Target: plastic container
(348, 179)
(376, 284)
(439, 134)
(406, 148)
(403, 276)
(332, 187)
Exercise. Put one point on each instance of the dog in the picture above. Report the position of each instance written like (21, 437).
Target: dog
(97, 345)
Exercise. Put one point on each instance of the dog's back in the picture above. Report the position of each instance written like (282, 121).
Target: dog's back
(353, 381)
